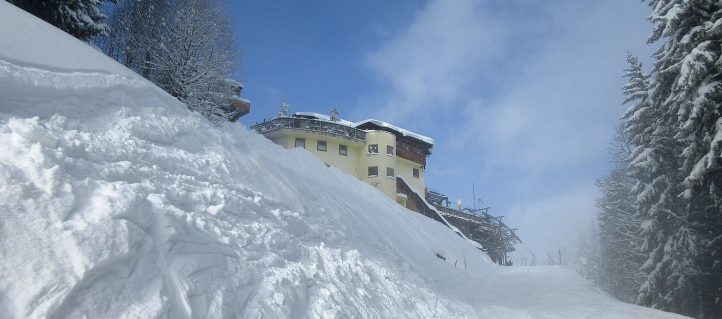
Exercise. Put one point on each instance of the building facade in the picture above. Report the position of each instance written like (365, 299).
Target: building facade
(375, 152)
(394, 161)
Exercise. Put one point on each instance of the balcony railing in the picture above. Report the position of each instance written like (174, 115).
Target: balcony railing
(458, 213)
(310, 125)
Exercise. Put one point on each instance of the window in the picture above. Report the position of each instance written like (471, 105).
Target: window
(373, 171)
(342, 150)
(389, 172)
(389, 150)
(416, 173)
(373, 149)
(300, 142)
(321, 146)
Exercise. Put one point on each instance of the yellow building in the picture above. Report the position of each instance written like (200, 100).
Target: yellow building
(393, 160)
(375, 152)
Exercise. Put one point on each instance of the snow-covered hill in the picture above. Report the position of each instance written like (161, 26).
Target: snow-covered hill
(115, 201)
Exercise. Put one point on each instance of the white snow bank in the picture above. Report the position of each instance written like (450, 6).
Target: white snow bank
(34, 43)
(115, 201)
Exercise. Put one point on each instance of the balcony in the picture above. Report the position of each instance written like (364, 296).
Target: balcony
(410, 155)
(313, 126)
(238, 108)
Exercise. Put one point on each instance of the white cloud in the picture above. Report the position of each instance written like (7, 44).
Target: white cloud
(522, 96)
(432, 62)
(547, 223)
(562, 108)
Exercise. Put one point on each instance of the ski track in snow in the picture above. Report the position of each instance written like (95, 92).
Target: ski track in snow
(116, 202)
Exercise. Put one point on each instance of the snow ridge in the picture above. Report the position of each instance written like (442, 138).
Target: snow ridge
(43, 79)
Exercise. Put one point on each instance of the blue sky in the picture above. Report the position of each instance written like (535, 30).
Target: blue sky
(521, 97)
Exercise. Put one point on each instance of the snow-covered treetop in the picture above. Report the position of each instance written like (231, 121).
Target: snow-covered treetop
(283, 110)
(334, 114)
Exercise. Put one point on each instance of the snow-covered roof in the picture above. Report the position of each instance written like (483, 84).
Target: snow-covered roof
(233, 82)
(403, 132)
(322, 117)
(242, 99)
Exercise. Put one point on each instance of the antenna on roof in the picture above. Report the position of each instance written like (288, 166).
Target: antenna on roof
(283, 111)
(334, 115)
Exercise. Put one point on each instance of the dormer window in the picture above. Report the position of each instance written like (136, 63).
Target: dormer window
(373, 149)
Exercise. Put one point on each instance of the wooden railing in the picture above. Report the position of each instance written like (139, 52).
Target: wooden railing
(454, 212)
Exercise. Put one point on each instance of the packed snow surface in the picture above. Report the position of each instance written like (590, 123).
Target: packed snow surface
(116, 202)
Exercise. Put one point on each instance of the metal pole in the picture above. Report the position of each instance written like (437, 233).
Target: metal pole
(473, 190)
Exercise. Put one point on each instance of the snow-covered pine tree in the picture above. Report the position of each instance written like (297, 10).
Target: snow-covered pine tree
(283, 110)
(677, 160)
(654, 166)
(335, 115)
(619, 225)
(688, 84)
(80, 18)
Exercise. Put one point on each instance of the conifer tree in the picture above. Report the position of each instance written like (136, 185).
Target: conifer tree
(80, 18)
(653, 165)
(619, 226)
(688, 76)
(283, 110)
(676, 128)
(334, 115)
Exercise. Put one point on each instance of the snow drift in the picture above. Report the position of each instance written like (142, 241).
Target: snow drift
(115, 201)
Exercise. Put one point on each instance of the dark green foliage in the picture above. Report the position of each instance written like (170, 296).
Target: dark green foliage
(675, 166)
(80, 18)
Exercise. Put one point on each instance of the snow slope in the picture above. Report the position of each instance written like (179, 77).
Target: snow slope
(116, 202)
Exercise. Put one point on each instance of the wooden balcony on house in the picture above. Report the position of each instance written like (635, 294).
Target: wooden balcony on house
(411, 156)
(411, 152)
(238, 108)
